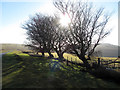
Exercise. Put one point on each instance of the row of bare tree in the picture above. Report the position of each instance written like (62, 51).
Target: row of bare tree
(86, 28)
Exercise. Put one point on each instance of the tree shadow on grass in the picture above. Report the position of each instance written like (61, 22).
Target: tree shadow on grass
(40, 72)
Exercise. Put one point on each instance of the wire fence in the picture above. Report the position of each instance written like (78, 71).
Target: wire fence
(108, 64)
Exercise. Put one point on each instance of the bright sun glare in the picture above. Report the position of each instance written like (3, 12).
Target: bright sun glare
(64, 19)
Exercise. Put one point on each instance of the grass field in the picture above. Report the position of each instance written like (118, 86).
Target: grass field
(74, 58)
(10, 47)
(23, 71)
(67, 56)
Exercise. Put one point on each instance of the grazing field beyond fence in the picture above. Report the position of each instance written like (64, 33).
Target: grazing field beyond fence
(108, 62)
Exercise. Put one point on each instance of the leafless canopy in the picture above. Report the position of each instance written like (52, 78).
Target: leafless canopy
(86, 29)
(40, 32)
(87, 26)
(45, 34)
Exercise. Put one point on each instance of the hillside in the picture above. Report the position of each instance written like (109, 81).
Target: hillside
(19, 70)
(13, 47)
(108, 50)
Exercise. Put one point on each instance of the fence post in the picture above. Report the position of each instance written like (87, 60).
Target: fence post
(101, 62)
(71, 59)
(110, 62)
(114, 64)
(67, 60)
(107, 64)
(76, 61)
(98, 61)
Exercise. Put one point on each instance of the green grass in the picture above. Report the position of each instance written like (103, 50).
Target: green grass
(74, 58)
(40, 72)
(8, 47)
(3, 51)
(67, 56)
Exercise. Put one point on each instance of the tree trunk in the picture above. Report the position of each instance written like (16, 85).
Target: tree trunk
(37, 53)
(50, 55)
(87, 65)
(61, 57)
(43, 54)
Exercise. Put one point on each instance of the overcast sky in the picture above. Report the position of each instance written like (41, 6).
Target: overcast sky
(13, 13)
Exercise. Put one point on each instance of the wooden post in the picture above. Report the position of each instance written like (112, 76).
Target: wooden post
(67, 61)
(108, 64)
(71, 59)
(101, 62)
(98, 61)
(114, 64)
(76, 61)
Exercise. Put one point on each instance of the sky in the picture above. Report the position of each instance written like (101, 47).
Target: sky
(14, 13)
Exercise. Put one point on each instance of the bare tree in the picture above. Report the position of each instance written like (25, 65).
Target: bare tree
(40, 33)
(60, 41)
(46, 34)
(87, 27)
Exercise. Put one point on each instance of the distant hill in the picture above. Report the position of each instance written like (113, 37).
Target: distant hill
(13, 47)
(108, 50)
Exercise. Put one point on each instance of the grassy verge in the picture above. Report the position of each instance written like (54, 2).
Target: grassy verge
(39, 72)
(3, 51)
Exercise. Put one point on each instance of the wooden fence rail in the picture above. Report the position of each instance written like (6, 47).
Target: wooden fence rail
(106, 63)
